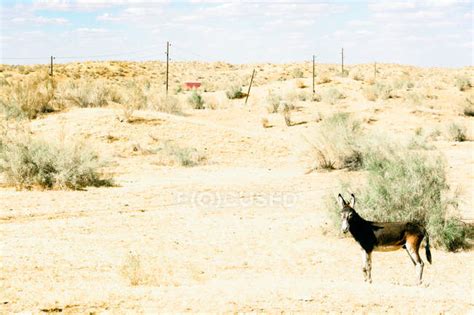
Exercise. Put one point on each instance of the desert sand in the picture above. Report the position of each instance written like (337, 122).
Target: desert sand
(245, 231)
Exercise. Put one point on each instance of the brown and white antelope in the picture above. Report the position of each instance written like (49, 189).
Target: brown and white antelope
(384, 236)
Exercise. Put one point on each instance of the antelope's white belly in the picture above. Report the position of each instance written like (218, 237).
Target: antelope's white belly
(388, 248)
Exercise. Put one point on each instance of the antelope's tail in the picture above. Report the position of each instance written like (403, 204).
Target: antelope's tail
(427, 247)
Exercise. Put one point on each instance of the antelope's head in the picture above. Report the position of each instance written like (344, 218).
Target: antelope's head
(347, 212)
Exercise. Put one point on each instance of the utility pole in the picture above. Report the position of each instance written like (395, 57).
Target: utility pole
(250, 86)
(342, 61)
(167, 64)
(51, 67)
(313, 74)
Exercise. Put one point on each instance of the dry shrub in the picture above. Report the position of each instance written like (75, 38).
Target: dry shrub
(469, 110)
(316, 97)
(265, 123)
(297, 73)
(300, 84)
(133, 270)
(28, 97)
(463, 83)
(133, 96)
(370, 81)
(377, 91)
(210, 86)
(457, 132)
(357, 76)
(338, 143)
(138, 270)
(273, 100)
(170, 154)
(167, 104)
(370, 94)
(332, 95)
(158, 270)
(287, 114)
(324, 77)
(234, 92)
(27, 162)
(414, 97)
(89, 93)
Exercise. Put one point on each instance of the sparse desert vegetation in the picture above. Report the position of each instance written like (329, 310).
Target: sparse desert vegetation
(192, 193)
(28, 163)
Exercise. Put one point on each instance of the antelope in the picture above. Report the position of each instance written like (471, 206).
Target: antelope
(383, 236)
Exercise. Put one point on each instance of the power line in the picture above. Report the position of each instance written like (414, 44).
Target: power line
(187, 51)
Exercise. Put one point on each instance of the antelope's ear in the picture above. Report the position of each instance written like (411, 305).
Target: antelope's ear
(353, 201)
(341, 201)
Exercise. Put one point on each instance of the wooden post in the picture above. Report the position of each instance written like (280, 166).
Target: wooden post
(51, 67)
(375, 71)
(313, 74)
(342, 61)
(250, 86)
(167, 64)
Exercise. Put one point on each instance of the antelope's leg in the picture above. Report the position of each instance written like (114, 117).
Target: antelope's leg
(366, 265)
(413, 251)
(409, 255)
(369, 267)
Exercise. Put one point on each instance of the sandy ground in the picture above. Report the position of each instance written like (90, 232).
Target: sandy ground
(245, 232)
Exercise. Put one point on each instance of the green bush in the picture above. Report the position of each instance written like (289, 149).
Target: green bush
(196, 101)
(28, 163)
(404, 185)
(234, 92)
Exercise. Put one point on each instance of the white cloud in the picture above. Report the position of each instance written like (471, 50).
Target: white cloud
(90, 5)
(38, 20)
(360, 23)
(391, 5)
(134, 14)
(91, 30)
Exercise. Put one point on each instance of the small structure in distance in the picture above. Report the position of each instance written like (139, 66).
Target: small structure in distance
(192, 85)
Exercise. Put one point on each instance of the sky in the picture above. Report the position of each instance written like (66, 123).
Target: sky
(430, 33)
